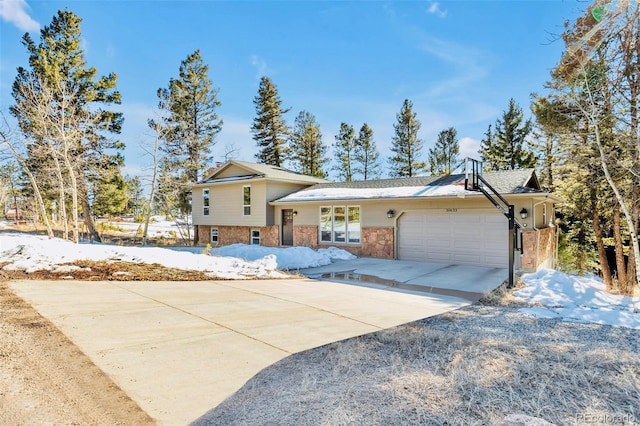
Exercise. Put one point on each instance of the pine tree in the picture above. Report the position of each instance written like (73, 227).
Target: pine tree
(406, 145)
(192, 123)
(308, 153)
(110, 191)
(444, 156)
(59, 76)
(507, 147)
(269, 128)
(344, 147)
(365, 154)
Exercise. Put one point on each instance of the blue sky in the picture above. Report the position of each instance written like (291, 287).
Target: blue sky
(459, 62)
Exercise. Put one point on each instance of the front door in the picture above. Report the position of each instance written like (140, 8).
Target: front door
(287, 227)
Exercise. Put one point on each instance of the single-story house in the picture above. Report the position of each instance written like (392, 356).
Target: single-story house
(430, 218)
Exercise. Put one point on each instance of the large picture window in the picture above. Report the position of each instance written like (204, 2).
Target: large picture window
(340, 224)
(246, 200)
(205, 202)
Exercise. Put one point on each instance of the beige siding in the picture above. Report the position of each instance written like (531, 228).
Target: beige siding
(374, 212)
(197, 209)
(226, 205)
(277, 190)
(233, 170)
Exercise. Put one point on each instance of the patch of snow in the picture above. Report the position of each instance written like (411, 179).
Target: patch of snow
(30, 253)
(577, 298)
(290, 258)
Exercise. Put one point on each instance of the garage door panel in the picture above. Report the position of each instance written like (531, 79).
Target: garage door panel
(472, 239)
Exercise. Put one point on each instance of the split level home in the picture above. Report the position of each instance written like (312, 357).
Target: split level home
(429, 218)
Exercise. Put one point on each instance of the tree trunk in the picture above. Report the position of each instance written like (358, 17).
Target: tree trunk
(83, 194)
(602, 255)
(34, 184)
(621, 203)
(619, 248)
(631, 275)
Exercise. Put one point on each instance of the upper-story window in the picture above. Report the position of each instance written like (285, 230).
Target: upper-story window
(246, 200)
(205, 201)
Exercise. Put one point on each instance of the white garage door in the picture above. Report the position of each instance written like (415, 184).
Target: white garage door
(465, 239)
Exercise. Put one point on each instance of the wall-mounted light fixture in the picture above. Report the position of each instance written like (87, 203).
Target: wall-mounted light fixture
(295, 213)
(390, 214)
(524, 213)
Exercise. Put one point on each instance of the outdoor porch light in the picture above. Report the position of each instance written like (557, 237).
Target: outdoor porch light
(390, 214)
(295, 213)
(524, 213)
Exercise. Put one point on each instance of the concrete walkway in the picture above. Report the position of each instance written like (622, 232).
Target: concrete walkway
(180, 348)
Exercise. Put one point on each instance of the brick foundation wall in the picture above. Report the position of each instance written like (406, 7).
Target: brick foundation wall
(539, 247)
(204, 235)
(377, 242)
(269, 235)
(305, 235)
(547, 247)
(234, 235)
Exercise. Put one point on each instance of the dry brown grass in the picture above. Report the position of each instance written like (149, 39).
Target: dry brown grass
(91, 270)
(470, 367)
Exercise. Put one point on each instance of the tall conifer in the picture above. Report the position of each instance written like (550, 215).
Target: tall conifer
(269, 127)
(365, 154)
(406, 146)
(444, 156)
(308, 153)
(344, 152)
(507, 148)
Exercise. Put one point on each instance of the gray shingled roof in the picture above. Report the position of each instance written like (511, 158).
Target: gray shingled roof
(520, 181)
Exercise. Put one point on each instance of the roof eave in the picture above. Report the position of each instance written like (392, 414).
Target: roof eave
(544, 195)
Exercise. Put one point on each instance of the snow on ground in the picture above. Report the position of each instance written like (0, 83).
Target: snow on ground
(290, 258)
(579, 299)
(31, 253)
(570, 297)
(159, 226)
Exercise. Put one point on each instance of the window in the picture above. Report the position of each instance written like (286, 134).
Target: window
(325, 224)
(544, 215)
(246, 200)
(205, 201)
(340, 224)
(353, 222)
(255, 236)
(214, 235)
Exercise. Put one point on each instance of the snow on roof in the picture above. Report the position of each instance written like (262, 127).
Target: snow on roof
(367, 193)
(505, 182)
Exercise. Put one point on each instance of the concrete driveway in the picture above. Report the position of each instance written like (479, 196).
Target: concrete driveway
(180, 348)
(465, 281)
